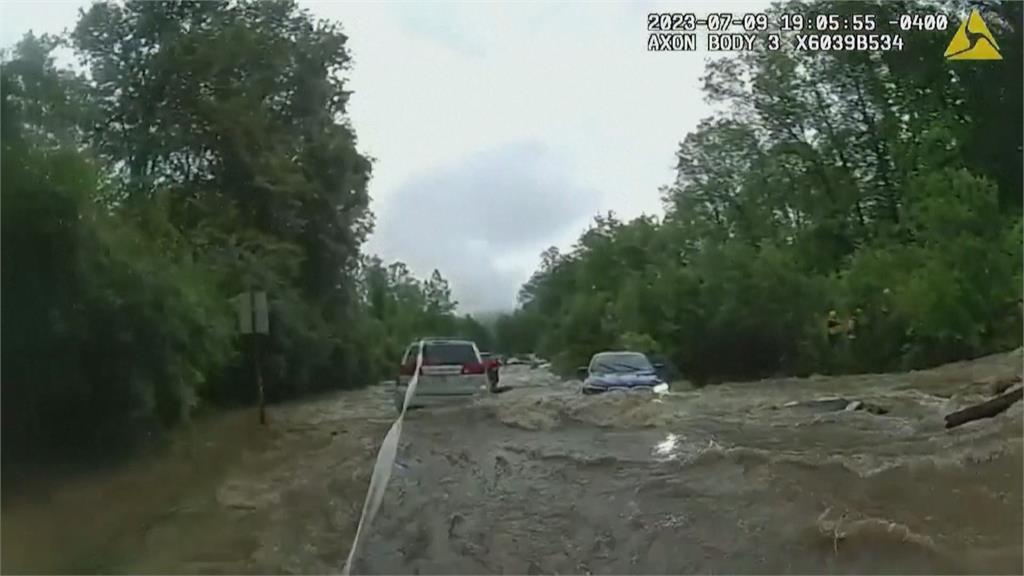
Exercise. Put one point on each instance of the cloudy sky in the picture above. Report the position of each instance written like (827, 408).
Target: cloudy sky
(498, 129)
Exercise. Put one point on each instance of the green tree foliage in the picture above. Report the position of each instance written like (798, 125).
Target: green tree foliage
(885, 186)
(232, 116)
(109, 330)
(399, 308)
(207, 152)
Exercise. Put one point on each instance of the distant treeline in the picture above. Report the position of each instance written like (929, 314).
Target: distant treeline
(204, 151)
(884, 186)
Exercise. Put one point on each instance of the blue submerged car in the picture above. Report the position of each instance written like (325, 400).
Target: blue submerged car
(620, 371)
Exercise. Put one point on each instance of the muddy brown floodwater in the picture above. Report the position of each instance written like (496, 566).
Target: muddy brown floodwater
(757, 477)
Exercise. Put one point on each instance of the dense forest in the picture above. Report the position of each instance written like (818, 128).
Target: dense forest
(202, 149)
(883, 186)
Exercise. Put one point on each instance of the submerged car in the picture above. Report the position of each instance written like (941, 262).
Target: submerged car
(451, 370)
(620, 371)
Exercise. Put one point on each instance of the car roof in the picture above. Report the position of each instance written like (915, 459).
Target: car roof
(618, 353)
(443, 341)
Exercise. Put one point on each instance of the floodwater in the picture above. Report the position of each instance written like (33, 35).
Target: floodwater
(755, 477)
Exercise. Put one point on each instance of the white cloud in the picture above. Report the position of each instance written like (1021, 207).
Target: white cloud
(18, 17)
(463, 218)
(446, 92)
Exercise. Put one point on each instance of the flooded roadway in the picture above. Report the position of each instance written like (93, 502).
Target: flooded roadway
(731, 479)
(740, 478)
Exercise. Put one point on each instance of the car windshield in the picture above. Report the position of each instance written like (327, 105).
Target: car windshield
(620, 363)
(451, 353)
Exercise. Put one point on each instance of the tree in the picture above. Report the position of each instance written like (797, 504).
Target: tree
(826, 180)
(232, 115)
(206, 152)
(112, 331)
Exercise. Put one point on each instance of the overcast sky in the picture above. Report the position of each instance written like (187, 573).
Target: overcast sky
(497, 129)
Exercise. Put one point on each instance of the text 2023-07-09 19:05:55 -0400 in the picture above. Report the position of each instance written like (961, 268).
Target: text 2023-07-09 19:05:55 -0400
(731, 32)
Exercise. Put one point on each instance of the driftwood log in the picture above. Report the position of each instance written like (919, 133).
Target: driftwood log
(986, 409)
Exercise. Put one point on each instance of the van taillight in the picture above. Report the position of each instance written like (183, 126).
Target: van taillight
(473, 368)
(408, 369)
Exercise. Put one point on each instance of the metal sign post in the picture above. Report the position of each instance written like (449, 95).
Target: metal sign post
(254, 319)
(256, 354)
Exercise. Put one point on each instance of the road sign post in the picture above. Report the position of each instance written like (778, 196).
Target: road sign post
(254, 319)
(256, 353)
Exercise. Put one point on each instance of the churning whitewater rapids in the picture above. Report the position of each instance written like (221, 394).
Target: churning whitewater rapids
(757, 477)
(852, 474)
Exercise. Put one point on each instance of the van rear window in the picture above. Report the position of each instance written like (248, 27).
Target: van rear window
(440, 354)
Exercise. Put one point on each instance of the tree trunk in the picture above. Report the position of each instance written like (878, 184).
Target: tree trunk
(987, 409)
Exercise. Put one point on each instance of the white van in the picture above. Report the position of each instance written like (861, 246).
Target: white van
(451, 369)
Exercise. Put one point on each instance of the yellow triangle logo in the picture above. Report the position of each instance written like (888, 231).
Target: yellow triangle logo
(973, 41)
